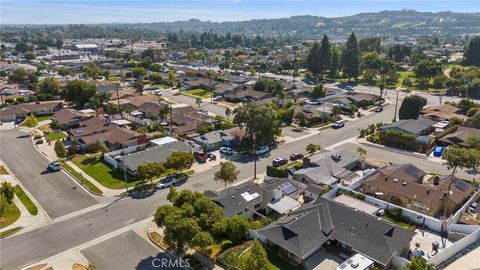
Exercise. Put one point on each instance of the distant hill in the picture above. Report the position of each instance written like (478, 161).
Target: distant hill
(407, 22)
(402, 22)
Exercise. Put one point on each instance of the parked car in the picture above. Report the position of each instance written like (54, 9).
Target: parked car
(167, 182)
(349, 88)
(296, 156)
(313, 102)
(279, 161)
(200, 156)
(262, 150)
(217, 98)
(378, 109)
(54, 166)
(338, 124)
(226, 150)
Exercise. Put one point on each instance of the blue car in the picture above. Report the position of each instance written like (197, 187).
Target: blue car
(438, 151)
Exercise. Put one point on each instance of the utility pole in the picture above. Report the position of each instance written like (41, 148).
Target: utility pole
(125, 174)
(118, 99)
(396, 107)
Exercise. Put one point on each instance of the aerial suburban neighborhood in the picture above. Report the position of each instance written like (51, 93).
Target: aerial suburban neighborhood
(332, 141)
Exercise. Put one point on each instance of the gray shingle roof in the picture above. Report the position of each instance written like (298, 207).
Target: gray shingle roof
(307, 229)
(412, 126)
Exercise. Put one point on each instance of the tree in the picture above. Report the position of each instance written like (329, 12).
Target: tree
(202, 240)
(198, 101)
(411, 107)
(150, 171)
(351, 58)
(91, 70)
(427, 68)
(362, 152)
(180, 161)
(455, 157)
(324, 55)
(370, 44)
(49, 86)
(228, 173)
(312, 148)
(8, 190)
(334, 63)
(261, 121)
(31, 121)
(79, 92)
(419, 264)
(64, 71)
(139, 72)
(228, 112)
(256, 257)
(172, 77)
(318, 91)
(60, 149)
(29, 55)
(472, 52)
(313, 59)
(237, 228)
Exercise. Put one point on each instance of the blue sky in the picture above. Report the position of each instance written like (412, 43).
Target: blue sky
(130, 11)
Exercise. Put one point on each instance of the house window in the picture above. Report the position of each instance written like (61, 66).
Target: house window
(257, 206)
(420, 206)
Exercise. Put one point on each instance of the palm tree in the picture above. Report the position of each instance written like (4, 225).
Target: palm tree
(280, 93)
(362, 152)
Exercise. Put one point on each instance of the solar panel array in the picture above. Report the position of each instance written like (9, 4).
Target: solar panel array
(461, 185)
(287, 188)
(411, 170)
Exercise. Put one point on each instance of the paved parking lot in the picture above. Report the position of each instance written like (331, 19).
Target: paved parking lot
(127, 251)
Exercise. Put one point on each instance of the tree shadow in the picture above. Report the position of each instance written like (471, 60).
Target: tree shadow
(142, 194)
(24, 136)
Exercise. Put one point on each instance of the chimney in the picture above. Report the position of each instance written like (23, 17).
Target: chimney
(386, 178)
(428, 191)
(404, 183)
(306, 162)
(436, 181)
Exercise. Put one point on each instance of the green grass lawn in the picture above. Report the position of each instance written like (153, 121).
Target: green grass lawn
(290, 164)
(27, 202)
(400, 223)
(8, 232)
(99, 170)
(81, 179)
(10, 215)
(44, 117)
(161, 86)
(198, 93)
(56, 136)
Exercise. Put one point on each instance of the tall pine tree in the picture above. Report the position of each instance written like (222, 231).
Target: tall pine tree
(313, 59)
(472, 52)
(351, 58)
(334, 63)
(324, 55)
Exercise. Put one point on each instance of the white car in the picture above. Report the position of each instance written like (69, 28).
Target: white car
(226, 150)
(349, 88)
(338, 124)
(54, 166)
(167, 182)
(217, 98)
(262, 150)
(313, 102)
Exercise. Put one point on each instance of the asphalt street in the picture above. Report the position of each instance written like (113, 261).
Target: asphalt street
(56, 192)
(128, 251)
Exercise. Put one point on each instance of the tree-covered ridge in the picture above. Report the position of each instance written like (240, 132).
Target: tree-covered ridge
(404, 22)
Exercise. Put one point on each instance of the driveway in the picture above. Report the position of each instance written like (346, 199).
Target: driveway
(128, 251)
(57, 194)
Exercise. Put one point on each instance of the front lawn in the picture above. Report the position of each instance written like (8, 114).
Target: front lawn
(27, 202)
(44, 118)
(56, 136)
(197, 93)
(98, 169)
(10, 215)
(81, 179)
(294, 163)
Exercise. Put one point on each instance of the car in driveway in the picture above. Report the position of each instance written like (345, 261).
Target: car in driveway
(200, 156)
(167, 182)
(313, 102)
(226, 150)
(378, 109)
(217, 98)
(279, 161)
(54, 166)
(338, 124)
(296, 156)
(349, 88)
(262, 150)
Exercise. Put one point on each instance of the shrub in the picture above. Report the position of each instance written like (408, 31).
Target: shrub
(60, 149)
(398, 139)
(275, 172)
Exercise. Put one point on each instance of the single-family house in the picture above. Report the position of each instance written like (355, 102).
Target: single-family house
(241, 95)
(326, 225)
(418, 127)
(442, 112)
(215, 139)
(13, 112)
(363, 100)
(405, 185)
(460, 136)
(68, 118)
(329, 168)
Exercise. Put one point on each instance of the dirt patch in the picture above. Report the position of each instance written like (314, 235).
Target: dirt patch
(37, 267)
(77, 266)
